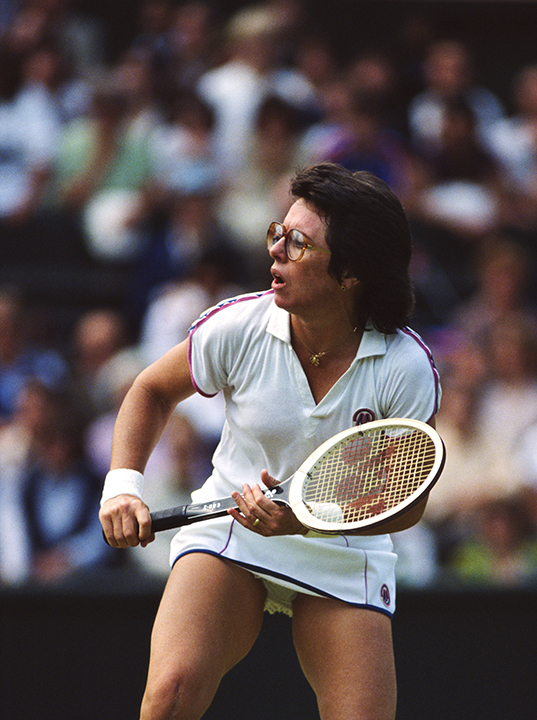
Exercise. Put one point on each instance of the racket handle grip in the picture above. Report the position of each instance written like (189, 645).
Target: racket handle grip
(166, 519)
(170, 518)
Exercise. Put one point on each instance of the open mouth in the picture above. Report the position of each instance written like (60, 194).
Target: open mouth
(277, 280)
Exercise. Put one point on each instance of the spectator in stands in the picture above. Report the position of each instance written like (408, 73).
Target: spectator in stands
(509, 402)
(181, 41)
(101, 174)
(464, 483)
(314, 59)
(21, 358)
(98, 335)
(236, 88)
(79, 35)
(415, 35)
(33, 412)
(449, 75)
(463, 188)
(135, 75)
(260, 189)
(189, 230)
(527, 452)
(335, 108)
(501, 549)
(28, 30)
(458, 205)
(183, 148)
(61, 500)
(457, 208)
(48, 495)
(502, 268)
(152, 25)
(460, 154)
(191, 44)
(370, 144)
(514, 139)
(30, 126)
(374, 75)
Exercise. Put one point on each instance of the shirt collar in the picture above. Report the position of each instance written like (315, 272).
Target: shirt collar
(279, 323)
(373, 342)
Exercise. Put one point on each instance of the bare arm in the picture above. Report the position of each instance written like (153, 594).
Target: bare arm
(405, 521)
(140, 423)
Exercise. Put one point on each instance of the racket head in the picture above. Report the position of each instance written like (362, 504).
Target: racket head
(366, 476)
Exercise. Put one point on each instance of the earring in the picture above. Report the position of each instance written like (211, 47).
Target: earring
(343, 288)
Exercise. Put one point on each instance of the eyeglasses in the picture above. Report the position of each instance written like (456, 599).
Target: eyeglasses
(296, 243)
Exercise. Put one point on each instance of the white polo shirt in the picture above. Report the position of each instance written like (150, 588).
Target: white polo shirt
(242, 347)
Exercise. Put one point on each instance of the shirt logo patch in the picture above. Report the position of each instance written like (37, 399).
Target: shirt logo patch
(363, 416)
(385, 595)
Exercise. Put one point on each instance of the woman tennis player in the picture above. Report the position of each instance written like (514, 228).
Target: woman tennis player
(325, 348)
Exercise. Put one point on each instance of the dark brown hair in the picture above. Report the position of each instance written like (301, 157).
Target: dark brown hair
(368, 236)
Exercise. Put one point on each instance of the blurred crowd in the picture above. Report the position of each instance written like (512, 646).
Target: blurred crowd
(162, 169)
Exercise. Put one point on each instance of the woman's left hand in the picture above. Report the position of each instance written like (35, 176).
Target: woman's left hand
(259, 514)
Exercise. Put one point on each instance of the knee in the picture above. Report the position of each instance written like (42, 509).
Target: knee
(182, 696)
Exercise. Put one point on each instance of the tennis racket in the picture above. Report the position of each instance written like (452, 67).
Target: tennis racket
(359, 479)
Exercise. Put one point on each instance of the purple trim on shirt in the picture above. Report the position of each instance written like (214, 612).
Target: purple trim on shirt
(411, 333)
(208, 314)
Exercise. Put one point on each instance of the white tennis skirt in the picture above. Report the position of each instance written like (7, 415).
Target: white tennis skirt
(359, 570)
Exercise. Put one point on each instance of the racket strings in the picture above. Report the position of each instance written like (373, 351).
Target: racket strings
(368, 475)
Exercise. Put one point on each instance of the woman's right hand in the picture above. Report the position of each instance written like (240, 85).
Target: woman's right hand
(126, 522)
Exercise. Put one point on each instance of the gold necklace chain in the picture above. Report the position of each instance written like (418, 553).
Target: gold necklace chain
(315, 358)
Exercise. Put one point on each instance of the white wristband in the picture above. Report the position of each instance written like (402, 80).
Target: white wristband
(122, 481)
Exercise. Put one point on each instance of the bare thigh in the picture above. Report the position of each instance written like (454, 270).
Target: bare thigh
(346, 654)
(209, 617)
